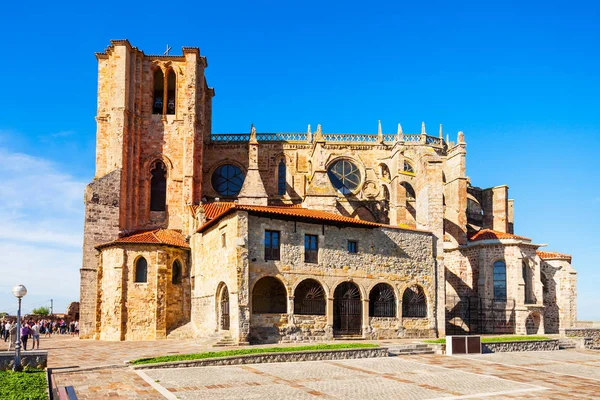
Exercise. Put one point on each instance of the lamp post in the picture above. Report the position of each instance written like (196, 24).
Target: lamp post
(19, 291)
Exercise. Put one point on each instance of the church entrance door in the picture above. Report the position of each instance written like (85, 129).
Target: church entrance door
(225, 309)
(347, 310)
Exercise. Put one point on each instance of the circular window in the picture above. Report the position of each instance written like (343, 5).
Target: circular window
(344, 176)
(227, 180)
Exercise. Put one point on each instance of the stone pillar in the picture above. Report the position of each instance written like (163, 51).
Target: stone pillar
(495, 208)
(329, 311)
(365, 317)
(455, 192)
(253, 190)
(320, 194)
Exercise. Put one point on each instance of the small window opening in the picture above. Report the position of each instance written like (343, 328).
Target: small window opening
(272, 245)
(311, 248)
(141, 270)
(176, 273)
(352, 246)
(223, 240)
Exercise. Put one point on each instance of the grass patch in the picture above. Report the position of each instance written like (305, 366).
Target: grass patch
(241, 352)
(27, 385)
(495, 339)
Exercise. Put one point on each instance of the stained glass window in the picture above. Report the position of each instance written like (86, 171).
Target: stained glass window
(408, 168)
(344, 176)
(281, 178)
(227, 180)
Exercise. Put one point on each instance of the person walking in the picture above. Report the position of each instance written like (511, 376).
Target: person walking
(35, 336)
(25, 332)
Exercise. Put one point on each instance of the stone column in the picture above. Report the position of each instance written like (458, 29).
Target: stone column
(366, 328)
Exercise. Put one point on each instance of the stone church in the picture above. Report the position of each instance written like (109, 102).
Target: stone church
(284, 237)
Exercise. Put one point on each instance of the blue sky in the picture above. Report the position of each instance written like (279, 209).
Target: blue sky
(521, 80)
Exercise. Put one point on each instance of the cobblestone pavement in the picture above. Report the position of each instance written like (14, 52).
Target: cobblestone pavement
(97, 371)
(533, 375)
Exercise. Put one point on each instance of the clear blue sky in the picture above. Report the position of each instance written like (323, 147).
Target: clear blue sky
(522, 82)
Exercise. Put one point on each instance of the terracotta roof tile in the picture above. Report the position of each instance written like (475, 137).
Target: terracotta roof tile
(215, 210)
(170, 237)
(551, 255)
(489, 234)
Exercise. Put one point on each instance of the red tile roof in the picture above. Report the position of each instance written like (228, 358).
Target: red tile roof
(489, 234)
(214, 211)
(551, 255)
(169, 237)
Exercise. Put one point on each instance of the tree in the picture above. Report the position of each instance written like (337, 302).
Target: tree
(3, 314)
(41, 310)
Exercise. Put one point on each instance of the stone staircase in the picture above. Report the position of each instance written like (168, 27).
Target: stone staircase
(410, 349)
(564, 343)
(224, 340)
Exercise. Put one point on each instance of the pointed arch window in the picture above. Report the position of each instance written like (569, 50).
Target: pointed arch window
(281, 175)
(141, 270)
(408, 167)
(171, 91)
(176, 273)
(159, 87)
(158, 187)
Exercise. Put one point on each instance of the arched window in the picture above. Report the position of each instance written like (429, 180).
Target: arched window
(159, 87)
(309, 298)
(176, 273)
(414, 302)
(500, 280)
(158, 187)
(382, 302)
(171, 91)
(141, 270)
(408, 167)
(386, 193)
(281, 183)
(269, 297)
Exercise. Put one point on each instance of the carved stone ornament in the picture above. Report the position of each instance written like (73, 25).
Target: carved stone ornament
(370, 190)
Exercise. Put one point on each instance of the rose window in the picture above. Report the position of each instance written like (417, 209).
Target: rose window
(344, 176)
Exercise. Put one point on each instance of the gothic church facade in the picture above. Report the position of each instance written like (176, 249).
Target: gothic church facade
(281, 237)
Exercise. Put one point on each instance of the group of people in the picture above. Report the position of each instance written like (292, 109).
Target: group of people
(32, 329)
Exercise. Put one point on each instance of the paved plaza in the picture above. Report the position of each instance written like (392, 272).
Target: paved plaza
(96, 370)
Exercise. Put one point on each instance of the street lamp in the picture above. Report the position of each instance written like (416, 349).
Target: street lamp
(19, 291)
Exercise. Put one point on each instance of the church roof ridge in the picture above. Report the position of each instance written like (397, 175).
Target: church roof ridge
(490, 234)
(552, 255)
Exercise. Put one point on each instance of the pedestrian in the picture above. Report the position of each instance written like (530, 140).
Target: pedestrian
(25, 332)
(35, 335)
(77, 328)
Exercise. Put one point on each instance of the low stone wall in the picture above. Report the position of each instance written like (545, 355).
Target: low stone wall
(312, 355)
(29, 359)
(592, 333)
(524, 345)
(587, 324)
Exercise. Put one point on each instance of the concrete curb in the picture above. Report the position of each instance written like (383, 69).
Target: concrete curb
(295, 356)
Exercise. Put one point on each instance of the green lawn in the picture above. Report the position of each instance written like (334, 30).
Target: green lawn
(240, 352)
(30, 385)
(484, 339)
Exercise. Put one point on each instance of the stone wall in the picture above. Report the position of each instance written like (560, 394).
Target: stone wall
(525, 345)
(102, 219)
(30, 359)
(312, 355)
(560, 294)
(216, 265)
(132, 310)
(592, 333)
(398, 257)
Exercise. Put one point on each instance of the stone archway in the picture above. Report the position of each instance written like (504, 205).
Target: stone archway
(347, 309)
(224, 323)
